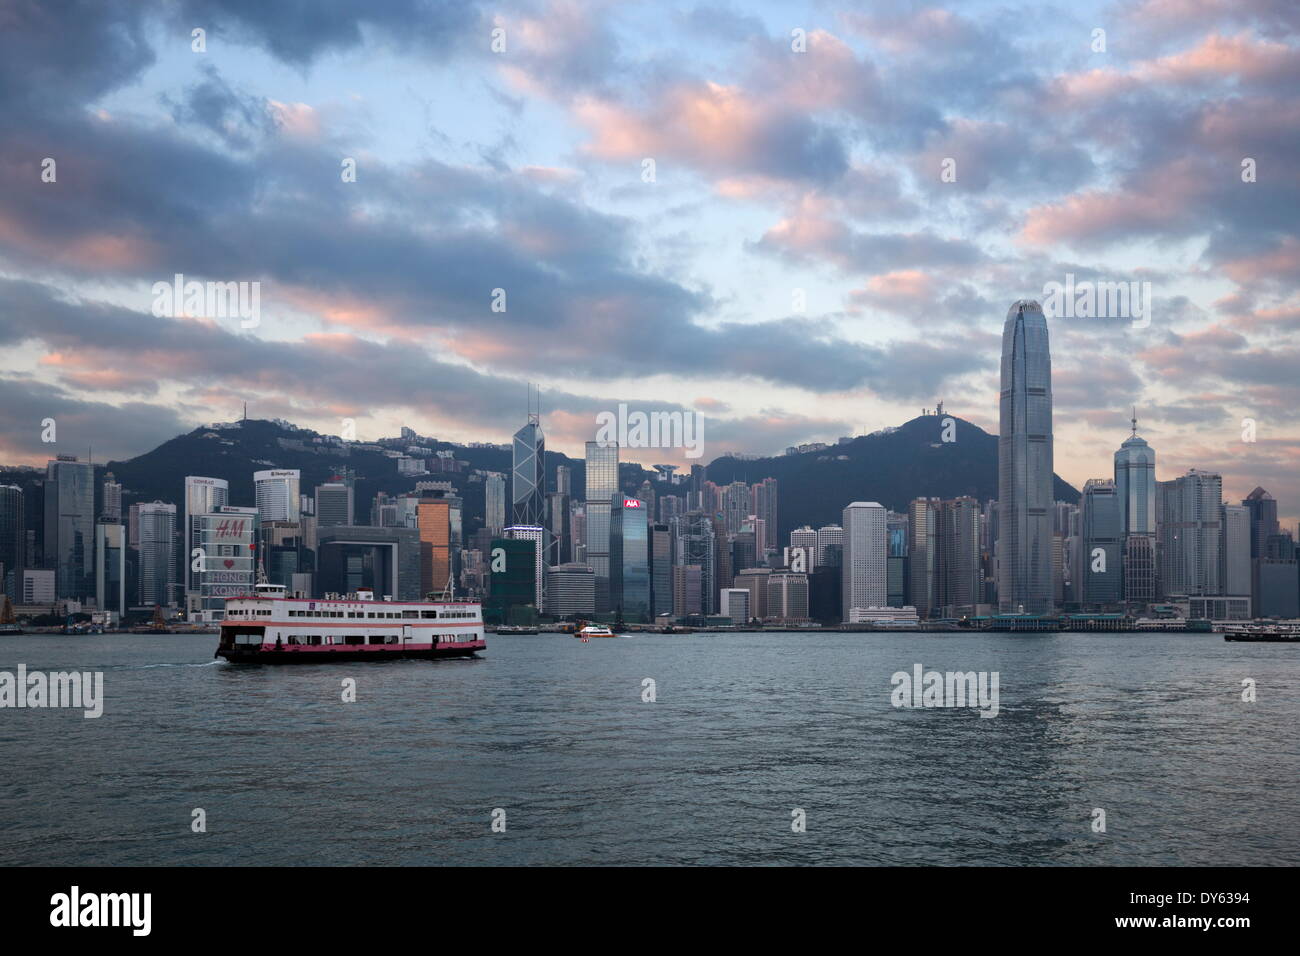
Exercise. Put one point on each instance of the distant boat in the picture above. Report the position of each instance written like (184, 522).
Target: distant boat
(159, 624)
(8, 623)
(1263, 634)
(595, 630)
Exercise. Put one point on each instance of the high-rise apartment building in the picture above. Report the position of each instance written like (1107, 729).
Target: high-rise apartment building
(763, 506)
(1190, 534)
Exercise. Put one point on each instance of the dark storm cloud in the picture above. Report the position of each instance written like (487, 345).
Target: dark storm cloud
(53, 55)
(114, 431)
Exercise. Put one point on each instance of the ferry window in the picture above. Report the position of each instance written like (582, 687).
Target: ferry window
(427, 615)
(407, 615)
(354, 639)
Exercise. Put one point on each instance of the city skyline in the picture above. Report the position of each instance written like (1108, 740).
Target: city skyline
(798, 268)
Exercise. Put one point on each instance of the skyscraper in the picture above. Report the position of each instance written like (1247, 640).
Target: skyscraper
(865, 545)
(1103, 522)
(277, 494)
(70, 526)
(763, 498)
(629, 558)
(202, 496)
(333, 504)
(696, 547)
(1263, 525)
(111, 509)
(433, 518)
(923, 555)
(1234, 551)
(1135, 486)
(157, 552)
(661, 570)
(528, 475)
(830, 545)
(537, 535)
(1135, 483)
(1190, 535)
(602, 486)
(494, 508)
(1025, 466)
(110, 566)
(959, 579)
(735, 505)
(13, 539)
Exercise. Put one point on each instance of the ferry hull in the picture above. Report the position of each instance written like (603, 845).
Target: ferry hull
(252, 654)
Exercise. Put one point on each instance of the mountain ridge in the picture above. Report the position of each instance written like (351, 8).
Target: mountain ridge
(891, 466)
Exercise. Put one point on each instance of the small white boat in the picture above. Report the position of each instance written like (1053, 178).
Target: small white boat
(594, 630)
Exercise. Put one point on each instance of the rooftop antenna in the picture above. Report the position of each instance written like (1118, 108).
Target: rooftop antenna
(1135, 421)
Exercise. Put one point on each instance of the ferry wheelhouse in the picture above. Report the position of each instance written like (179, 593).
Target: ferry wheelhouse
(269, 627)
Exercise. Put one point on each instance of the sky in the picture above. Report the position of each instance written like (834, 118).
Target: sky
(800, 221)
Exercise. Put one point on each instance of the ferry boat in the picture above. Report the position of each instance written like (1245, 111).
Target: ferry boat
(269, 627)
(1269, 634)
(594, 630)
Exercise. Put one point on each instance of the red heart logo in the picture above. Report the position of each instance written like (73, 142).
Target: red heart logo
(230, 562)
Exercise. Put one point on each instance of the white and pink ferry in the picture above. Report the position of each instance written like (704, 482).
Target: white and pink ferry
(269, 627)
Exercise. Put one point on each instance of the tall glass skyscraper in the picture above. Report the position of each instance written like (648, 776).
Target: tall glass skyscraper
(13, 540)
(1025, 463)
(528, 476)
(70, 526)
(1135, 485)
(629, 558)
(602, 486)
(1103, 523)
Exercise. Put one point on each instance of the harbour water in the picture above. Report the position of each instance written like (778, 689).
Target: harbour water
(555, 739)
